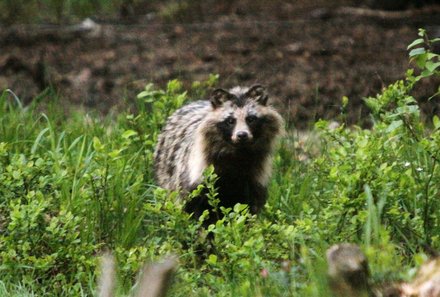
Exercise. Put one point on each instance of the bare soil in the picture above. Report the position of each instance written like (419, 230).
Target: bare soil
(308, 57)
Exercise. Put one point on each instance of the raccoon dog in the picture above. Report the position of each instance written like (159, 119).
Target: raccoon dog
(235, 131)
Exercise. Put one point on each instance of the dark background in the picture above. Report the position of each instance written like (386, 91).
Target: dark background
(308, 53)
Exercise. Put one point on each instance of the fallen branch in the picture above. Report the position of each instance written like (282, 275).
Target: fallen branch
(349, 276)
(154, 280)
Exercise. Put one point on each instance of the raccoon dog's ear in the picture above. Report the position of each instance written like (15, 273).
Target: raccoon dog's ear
(258, 93)
(220, 96)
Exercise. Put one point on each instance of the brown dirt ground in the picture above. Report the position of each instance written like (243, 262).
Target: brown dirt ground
(308, 57)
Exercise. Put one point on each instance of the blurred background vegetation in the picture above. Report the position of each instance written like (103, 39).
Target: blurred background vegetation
(308, 53)
(65, 11)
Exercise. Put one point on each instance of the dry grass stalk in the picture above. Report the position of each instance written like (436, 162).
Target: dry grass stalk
(106, 284)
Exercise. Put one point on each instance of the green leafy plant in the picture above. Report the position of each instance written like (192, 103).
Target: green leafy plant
(71, 187)
(421, 53)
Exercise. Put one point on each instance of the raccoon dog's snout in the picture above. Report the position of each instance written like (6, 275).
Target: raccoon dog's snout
(242, 136)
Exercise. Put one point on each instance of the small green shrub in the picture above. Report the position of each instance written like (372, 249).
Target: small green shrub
(40, 242)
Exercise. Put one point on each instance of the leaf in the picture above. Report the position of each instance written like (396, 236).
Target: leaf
(144, 94)
(239, 207)
(421, 60)
(16, 174)
(97, 145)
(415, 42)
(431, 66)
(37, 140)
(174, 86)
(129, 133)
(115, 153)
(394, 125)
(344, 101)
(212, 259)
(417, 51)
(426, 73)
(436, 122)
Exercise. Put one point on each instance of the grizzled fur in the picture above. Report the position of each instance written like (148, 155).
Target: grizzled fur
(235, 131)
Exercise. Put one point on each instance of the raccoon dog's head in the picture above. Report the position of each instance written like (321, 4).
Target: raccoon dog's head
(242, 117)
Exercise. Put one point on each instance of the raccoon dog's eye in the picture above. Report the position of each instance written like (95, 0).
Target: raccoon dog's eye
(251, 118)
(230, 121)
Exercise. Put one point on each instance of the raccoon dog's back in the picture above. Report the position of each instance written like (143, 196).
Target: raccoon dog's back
(175, 145)
(235, 131)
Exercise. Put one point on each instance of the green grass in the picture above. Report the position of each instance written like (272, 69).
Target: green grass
(31, 11)
(74, 186)
(73, 11)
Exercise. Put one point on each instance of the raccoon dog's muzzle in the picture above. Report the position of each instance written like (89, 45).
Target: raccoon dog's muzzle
(241, 136)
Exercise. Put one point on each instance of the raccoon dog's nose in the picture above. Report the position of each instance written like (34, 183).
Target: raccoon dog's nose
(242, 135)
